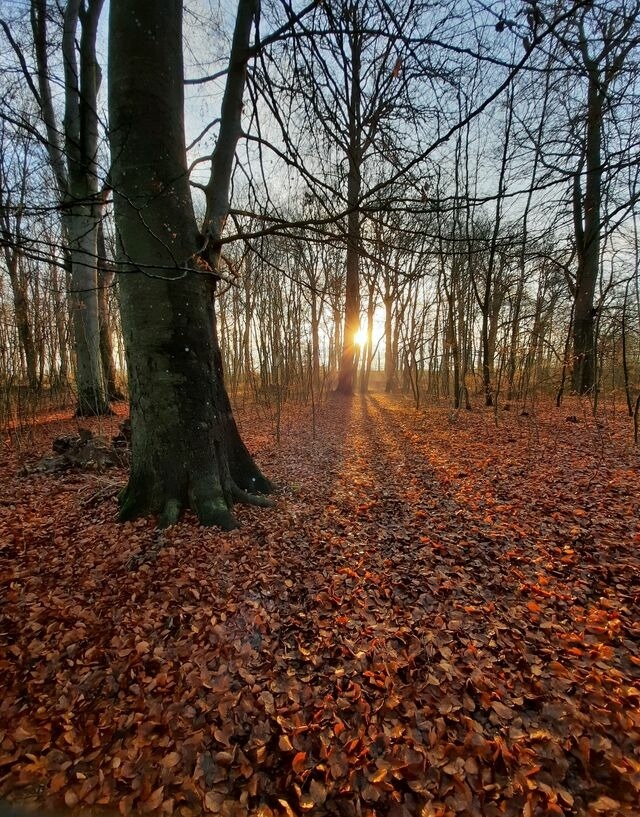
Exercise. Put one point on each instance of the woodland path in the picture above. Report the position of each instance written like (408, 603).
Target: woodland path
(439, 617)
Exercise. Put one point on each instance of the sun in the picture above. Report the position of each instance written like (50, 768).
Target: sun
(360, 337)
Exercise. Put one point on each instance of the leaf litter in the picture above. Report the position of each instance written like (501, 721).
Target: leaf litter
(440, 617)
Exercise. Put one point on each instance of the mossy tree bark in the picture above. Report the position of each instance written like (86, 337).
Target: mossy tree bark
(186, 450)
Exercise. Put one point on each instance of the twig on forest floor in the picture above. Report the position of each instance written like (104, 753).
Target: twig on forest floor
(106, 491)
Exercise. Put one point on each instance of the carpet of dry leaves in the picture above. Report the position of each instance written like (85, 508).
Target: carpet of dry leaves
(440, 617)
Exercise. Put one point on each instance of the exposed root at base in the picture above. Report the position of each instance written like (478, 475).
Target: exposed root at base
(170, 513)
(213, 509)
(246, 498)
(213, 512)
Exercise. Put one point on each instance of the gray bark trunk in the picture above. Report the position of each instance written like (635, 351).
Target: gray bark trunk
(83, 298)
(76, 173)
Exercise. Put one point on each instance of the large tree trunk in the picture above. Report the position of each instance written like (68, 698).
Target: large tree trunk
(186, 450)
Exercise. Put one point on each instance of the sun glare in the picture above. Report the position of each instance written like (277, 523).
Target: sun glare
(360, 337)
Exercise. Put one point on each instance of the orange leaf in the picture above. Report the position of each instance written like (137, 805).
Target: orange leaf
(171, 760)
(287, 808)
(58, 781)
(298, 762)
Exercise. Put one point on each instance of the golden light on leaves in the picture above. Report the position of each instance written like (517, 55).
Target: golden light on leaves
(401, 627)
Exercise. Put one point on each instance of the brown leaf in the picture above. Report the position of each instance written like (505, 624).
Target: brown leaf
(213, 801)
(501, 710)
(317, 792)
(604, 804)
(284, 744)
(154, 800)
(70, 798)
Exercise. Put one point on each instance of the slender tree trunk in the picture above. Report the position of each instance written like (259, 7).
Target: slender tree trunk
(11, 240)
(336, 337)
(249, 303)
(348, 361)
(587, 216)
(487, 360)
(455, 353)
(346, 376)
(61, 321)
(367, 351)
(565, 362)
(489, 295)
(512, 362)
(83, 298)
(106, 277)
(23, 321)
(390, 360)
(84, 205)
(76, 174)
(315, 341)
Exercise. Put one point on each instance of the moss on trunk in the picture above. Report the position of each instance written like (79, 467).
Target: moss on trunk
(186, 450)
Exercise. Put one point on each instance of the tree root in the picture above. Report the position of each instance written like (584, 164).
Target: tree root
(211, 504)
(251, 480)
(213, 512)
(247, 498)
(170, 513)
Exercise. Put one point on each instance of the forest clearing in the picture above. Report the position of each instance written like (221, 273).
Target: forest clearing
(439, 616)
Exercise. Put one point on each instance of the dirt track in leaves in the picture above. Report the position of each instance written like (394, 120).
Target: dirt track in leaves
(439, 617)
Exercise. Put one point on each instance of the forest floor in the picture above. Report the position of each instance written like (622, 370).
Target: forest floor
(439, 617)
